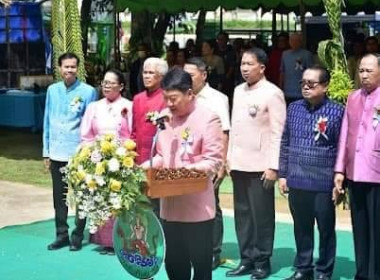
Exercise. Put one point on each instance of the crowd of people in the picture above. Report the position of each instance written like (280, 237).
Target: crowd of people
(260, 119)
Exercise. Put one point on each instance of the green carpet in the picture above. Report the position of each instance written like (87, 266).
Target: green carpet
(23, 256)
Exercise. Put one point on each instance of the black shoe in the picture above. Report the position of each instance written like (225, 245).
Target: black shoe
(58, 244)
(215, 262)
(240, 270)
(75, 246)
(261, 272)
(301, 276)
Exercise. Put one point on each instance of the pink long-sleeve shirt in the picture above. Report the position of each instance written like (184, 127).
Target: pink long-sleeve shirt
(205, 132)
(359, 143)
(104, 117)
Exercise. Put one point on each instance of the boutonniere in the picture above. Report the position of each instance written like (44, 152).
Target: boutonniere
(253, 109)
(299, 65)
(320, 128)
(75, 104)
(152, 116)
(186, 142)
(376, 116)
(124, 112)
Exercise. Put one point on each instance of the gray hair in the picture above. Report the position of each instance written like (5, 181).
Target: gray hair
(159, 65)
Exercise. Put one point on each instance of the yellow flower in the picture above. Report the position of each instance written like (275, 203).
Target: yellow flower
(132, 154)
(81, 175)
(106, 147)
(128, 162)
(91, 184)
(99, 169)
(185, 134)
(115, 185)
(84, 153)
(109, 137)
(130, 145)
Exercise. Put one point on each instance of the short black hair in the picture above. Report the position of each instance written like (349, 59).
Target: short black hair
(198, 62)
(68, 55)
(177, 79)
(259, 53)
(324, 74)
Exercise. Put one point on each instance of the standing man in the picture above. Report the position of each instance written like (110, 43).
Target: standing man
(307, 158)
(216, 102)
(258, 117)
(293, 62)
(66, 102)
(359, 162)
(188, 220)
(148, 101)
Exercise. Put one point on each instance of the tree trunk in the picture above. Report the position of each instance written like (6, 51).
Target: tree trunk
(85, 14)
(150, 29)
(200, 26)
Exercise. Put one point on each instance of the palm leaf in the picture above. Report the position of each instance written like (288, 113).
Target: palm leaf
(66, 33)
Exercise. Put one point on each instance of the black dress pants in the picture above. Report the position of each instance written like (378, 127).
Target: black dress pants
(254, 218)
(188, 245)
(218, 226)
(365, 216)
(60, 207)
(306, 208)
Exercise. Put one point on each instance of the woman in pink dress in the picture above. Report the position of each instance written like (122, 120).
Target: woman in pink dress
(110, 115)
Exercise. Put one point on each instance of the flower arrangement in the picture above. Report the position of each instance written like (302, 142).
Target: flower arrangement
(104, 180)
(152, 116)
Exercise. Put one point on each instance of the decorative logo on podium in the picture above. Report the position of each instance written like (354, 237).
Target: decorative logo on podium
(139, 242)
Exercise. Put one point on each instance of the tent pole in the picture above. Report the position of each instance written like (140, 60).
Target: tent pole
(221, 19)
(302, 17)
(174, 28)
(274, 24)
(282, 22)
(287, 22)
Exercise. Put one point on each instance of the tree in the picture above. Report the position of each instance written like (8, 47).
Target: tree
(149, 28)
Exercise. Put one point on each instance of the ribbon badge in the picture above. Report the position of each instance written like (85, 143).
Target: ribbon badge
(376, 116)
(187, 141)
(320, 128)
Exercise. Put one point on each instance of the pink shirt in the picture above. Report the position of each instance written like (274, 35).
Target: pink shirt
(142, 130)
(205, 132)
(258, 118)
(359, 143)
(103, 117)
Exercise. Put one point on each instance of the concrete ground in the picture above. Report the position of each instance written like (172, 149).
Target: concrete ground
(22, 204)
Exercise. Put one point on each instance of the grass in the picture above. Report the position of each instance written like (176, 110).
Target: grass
(21, 158)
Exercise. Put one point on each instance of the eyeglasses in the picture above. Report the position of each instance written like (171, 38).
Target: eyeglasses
(108, 83)
(310, 84)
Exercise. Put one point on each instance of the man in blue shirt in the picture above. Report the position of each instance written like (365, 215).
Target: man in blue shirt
(307, 158)
(293, 63)
(66, 102)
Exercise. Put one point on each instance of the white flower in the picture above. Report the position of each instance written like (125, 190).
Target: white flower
(121, 151)
(100, 180)
(113, 165)
(96, 156)
(115, 200)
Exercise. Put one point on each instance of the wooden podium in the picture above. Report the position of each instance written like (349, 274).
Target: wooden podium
(160, 186)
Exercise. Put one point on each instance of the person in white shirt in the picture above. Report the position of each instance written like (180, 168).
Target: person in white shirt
(217, 102)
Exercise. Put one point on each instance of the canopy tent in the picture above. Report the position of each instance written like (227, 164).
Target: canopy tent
(174, 6)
